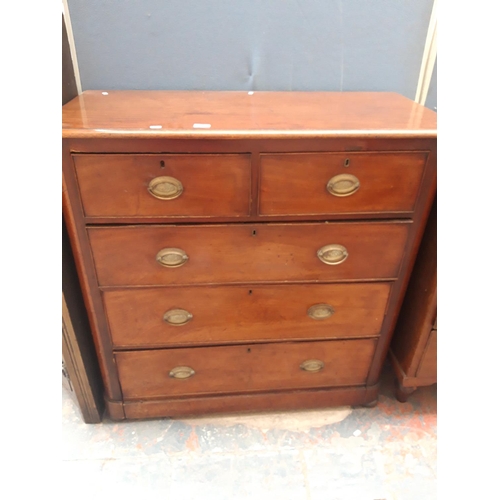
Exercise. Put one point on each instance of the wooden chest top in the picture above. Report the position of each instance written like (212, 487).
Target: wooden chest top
(237, 114)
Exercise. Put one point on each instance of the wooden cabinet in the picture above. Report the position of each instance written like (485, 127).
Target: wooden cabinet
(414, 346)
(244, 252)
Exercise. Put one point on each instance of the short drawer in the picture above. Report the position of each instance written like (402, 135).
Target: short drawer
(127, 185)
(166, 255)
(171, 316)
(339, 183)
(245, 368)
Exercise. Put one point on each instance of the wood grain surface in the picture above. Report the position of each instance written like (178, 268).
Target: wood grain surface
(247, 253)
(240, 114)
(228, 314)
(245, 368)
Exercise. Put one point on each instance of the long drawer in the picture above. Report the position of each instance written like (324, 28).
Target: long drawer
(178, 186)
(170, 316)
(165, 255)
(245, 368)
(347, 183)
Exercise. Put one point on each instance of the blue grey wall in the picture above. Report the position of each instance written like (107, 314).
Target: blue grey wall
(250, 44)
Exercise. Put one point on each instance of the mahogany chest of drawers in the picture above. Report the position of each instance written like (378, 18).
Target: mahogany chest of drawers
(244, 251)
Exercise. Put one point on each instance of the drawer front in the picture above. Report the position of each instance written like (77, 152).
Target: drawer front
(244, 253)
(164, 185)
(228, 314)
(321, 183)
(245, 368)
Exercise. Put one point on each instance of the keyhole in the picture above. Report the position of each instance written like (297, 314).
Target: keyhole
(254, 232)
(346, 162)
(249, 350)
(249, 292)
(162, 164)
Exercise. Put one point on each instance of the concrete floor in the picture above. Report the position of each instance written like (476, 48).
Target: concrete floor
(387, 452)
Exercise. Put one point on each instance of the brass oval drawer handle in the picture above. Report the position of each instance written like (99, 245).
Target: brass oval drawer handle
(177, 317)
(332, 254)
(181, 372)
(165, 188)
(171, 257)
(320, 311)
(343, 185)
(312, 365)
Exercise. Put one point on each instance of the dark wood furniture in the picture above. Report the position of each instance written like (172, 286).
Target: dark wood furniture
(244, 251)
(413, 349)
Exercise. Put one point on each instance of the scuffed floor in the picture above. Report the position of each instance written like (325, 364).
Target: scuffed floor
(382, 453)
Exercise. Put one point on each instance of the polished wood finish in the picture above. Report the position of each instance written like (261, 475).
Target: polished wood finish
(125, 261)
(247, 253)
(296, 184)
(230, 314)
(414, 345)
(257, 148)
(245, 368)
(117, 185)
(138, 114)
